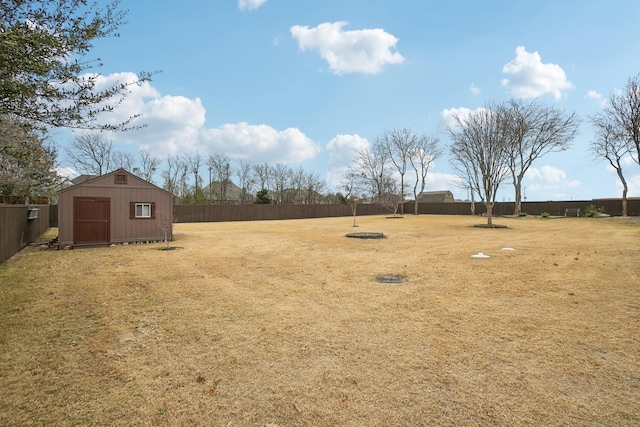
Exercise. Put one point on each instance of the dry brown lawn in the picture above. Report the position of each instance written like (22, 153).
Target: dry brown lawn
(283, 323)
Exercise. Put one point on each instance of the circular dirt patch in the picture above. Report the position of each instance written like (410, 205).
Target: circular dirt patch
(490, 226)
(390, 278)
(366, 235)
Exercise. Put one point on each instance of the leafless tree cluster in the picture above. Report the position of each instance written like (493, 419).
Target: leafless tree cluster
(240, 182)
(479, 152)
(536, 130)
(379, 174)
(617, 131)
(194, 179)
(91, 153)
(288, 185)
(503, 140)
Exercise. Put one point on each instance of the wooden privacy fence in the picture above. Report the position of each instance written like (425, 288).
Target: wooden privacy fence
(17, 231)
(19, 226)
(611, 207)
(219, 213)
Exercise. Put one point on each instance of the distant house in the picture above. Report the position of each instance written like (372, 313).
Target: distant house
(436, 197)
(114, 208)
(229, 193)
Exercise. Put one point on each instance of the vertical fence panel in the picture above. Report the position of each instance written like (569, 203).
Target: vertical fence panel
(218, 213)
(17, 230)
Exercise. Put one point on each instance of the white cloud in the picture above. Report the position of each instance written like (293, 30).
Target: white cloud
(531, 78)
(633, 183)
(596, 96)
(66, 172)
(132, 104)
(548, 174)
(357, 51)
(448, 115)
(246, 5)
(475, 90)
(259, 143)
(592, 94)
(549, 183)
(173, 124)
(628, 161)
(176, 125)
(342, 151)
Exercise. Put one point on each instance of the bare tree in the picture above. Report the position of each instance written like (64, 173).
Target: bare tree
(194, 163)
(425, 151)
(220, 167)
(480, 151)
(372, 165)
(263, 175)
(353, 185)
(398, 146)
(313, 187)
(536, 130)
(183, 181)
(622, 112)
(149, 165)
(170, 175)
(164, 220)
(281, 175)
(91, 153)
(124, 160)
(607, 145)
(391, 198)
(246, 180)
(297, 182)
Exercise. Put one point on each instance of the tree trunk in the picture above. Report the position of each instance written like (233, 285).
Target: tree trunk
(354, 207)
(489, 206)
(415, 206)
(625, 188)
(518, 193)
(402, 194)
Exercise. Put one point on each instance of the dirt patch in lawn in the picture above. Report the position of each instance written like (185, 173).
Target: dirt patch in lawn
(281, 322)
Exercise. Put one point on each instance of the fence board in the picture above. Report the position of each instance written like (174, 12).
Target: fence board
(17, 231)
(219, 213)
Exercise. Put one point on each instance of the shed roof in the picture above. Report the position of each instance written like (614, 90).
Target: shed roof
(97, 179)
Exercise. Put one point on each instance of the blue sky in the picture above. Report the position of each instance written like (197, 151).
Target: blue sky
(305, 82)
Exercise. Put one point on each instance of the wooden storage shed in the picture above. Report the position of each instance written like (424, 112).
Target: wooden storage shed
(117, 207)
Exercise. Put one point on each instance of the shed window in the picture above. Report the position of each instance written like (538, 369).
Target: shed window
(142, 210)
(121, 178)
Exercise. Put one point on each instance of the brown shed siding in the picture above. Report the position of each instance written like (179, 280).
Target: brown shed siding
(121, 227)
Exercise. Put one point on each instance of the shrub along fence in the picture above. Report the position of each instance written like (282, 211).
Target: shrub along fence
(19, 226)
